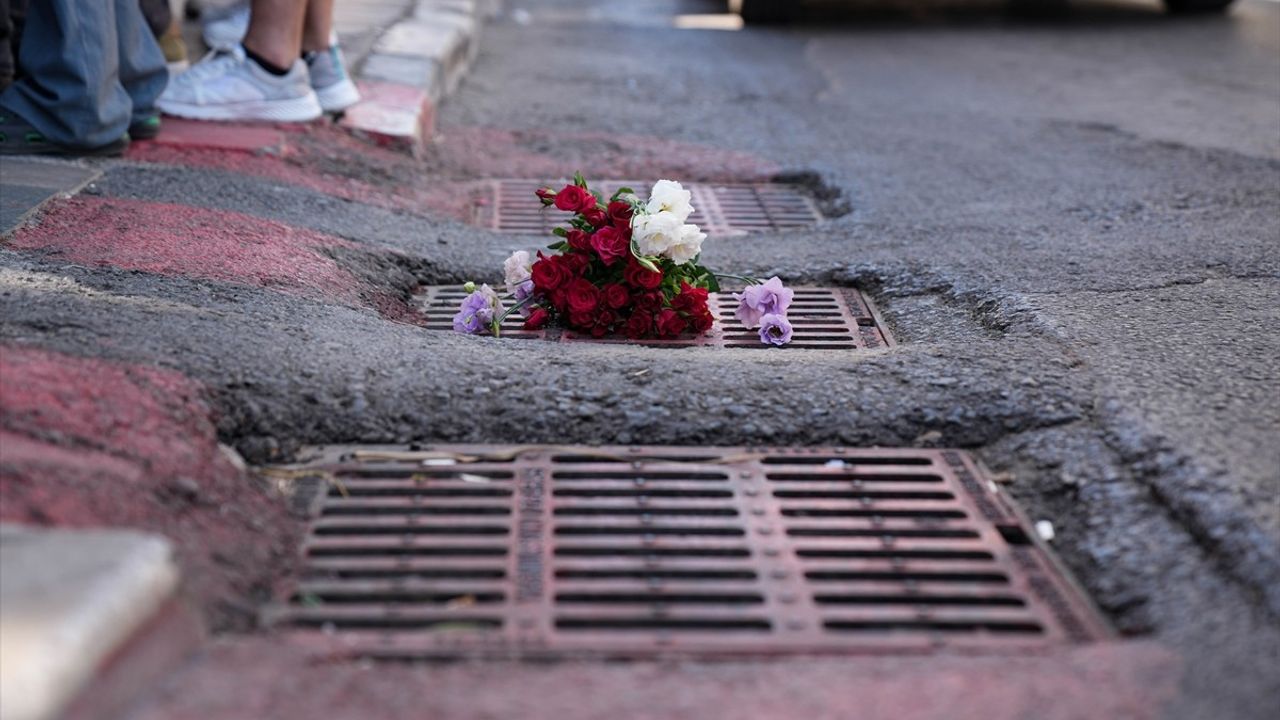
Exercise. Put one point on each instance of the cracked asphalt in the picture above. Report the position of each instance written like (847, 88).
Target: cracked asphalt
(1071, 223)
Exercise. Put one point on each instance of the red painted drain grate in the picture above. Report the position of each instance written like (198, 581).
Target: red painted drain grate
(727, 209)
(484, 551)
(823, 318)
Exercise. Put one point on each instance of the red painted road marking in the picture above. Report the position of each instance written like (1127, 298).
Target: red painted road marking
(329, 160)
(87, 442)
(170, 239)
(255, 138)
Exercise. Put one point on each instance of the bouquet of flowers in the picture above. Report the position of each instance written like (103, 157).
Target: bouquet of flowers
(622, 266)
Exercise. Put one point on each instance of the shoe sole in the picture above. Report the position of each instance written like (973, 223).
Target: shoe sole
(300, 109)
(338, 96)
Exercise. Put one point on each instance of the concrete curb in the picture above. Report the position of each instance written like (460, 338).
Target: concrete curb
(413, 66)
(85, 610)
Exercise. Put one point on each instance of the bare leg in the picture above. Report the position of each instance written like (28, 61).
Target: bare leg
(318, 25)
(275, 30)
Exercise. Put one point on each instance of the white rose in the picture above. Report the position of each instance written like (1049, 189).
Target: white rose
(518, 268)
(670, 196)
(687, 245)
(655, 233)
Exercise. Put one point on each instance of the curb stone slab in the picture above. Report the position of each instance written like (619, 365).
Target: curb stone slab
(426, 54)
(26, 184)
(70, 600)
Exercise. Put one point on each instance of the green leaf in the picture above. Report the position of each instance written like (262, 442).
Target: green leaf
(711, 283)
(558, 247)
(579, 180)
(561, 232)
(622, 191)
(647, 263)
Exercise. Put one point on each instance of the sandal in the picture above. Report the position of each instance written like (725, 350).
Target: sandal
(19, 137)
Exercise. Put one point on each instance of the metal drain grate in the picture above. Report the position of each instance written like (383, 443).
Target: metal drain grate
(482, 551)
(440, 303)
(823, 318)
(728, 209)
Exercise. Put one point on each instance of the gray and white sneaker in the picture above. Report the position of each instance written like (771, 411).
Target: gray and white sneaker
(226, 85)
(330, 80)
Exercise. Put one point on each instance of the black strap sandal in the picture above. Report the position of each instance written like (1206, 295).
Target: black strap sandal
(19, 137)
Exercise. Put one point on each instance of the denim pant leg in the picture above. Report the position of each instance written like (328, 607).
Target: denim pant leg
(71, 90)
(142, 69)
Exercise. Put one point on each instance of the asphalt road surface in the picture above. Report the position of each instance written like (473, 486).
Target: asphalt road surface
(1071, 222)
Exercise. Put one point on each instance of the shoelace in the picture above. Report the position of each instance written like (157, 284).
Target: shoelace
(215, 62)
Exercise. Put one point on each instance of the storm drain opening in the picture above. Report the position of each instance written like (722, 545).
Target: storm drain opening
(536, 552)
(821, 318)
(721, 209)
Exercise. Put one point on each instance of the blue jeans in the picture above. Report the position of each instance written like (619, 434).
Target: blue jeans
(90, 68)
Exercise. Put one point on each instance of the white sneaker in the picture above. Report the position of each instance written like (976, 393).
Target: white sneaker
(330, 80)
(226, 85)
(225, 28)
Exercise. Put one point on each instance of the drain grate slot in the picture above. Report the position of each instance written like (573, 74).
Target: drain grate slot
(728, 209)
(643, 552)
(822, 319)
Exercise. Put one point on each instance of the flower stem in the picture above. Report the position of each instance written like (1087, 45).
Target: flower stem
(497, 322)
(747, 278)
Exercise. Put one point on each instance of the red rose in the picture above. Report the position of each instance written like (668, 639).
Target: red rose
(610, 245)
(583, 297)
(650, 302)
(559, 299)
(639, 276)
(616, 296)
(578, 240)
(576, 262)
(670, 324)
(702, 321)
(574, 199)
(691, 299)
(639, 324)
(603, 323)
(537, 319)
(549, 273)
(620, 214)
(546, 195)
(582, 321)
(595, 216)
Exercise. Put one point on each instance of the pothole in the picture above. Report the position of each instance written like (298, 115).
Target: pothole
(723, 210)
(821, 317)
(473, 551)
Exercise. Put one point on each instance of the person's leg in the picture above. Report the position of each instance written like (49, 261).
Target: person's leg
(275, 31)
(158, 15)
(328, 70)
(317, 29)
(70, 92)
(142, 69)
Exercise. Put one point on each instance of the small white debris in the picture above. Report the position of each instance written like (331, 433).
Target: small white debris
(233, 457)
(1044, 529)
(468, 477)
(835, 464)
(429, 462)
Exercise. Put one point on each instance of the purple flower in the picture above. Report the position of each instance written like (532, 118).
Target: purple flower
(522, 292)
(478, 311)
(775, 329)
(757, 301)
